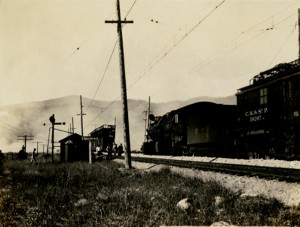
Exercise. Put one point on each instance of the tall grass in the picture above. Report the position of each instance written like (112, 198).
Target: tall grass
(102, 194)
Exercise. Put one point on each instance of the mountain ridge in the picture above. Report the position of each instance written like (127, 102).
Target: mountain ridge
(29, 118)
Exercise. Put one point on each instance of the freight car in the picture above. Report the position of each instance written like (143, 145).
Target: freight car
(268, 113)
(202, 128)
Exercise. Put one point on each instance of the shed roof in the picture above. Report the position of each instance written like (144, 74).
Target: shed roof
(74, 137)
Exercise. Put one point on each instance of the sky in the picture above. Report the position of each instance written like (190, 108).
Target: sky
(174, 50)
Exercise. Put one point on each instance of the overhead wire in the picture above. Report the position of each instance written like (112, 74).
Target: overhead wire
(104, 73)
(191, 30)
(107, 107)
(8, 126)
(262, 31)
(152, 65)
(164, 55)
(109, 60)
(283, 44)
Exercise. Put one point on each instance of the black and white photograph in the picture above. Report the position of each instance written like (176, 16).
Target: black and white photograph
(149, 113)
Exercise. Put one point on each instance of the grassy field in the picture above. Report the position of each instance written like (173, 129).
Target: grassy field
(104, 194)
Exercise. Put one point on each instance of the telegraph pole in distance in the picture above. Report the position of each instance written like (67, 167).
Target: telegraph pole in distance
(145, 119)
(299, 33)
(149, 112)
(73, 126)
(25, 138)
(119, 22)
(37, 147)
(81, 114)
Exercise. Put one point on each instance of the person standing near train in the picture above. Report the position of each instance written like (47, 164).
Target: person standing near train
(120, 150)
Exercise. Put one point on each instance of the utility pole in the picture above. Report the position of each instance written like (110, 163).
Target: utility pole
(81, 114)
(25, 138)
(119, 22)
(73, 126)
(37, 147)
(145, 112)
(147, 120)
(299, 33)
(149, 112)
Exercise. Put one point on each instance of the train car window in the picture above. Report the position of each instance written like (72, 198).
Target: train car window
(263, 94)
(289, 90)
(176, 119)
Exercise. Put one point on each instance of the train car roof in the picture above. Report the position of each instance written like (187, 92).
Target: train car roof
(203, 105)
(278, 72)
(102, 128)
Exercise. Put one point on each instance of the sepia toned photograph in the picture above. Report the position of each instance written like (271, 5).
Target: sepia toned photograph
(149, 113)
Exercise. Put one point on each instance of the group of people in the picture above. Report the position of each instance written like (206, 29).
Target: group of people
(112, 151)
(22, 155)
(116, 150)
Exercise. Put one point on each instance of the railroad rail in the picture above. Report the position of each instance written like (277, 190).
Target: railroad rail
(266, 172)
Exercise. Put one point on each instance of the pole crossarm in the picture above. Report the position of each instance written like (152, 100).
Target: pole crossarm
(119, 22)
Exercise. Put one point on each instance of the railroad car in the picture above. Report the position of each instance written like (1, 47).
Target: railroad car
(103, 136)
(202, 128)
(264, 123)
(268, 113)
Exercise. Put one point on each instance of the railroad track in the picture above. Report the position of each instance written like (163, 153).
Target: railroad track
(282, 174)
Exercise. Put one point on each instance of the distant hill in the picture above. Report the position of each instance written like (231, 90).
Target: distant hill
(29, 118)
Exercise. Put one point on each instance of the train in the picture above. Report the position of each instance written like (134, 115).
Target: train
(104, 136)
(264, 123)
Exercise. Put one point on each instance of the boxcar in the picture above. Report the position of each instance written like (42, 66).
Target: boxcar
(202, 128)
(268, 113)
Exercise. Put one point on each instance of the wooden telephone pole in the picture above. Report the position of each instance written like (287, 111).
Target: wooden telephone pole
(299, 33)
(25, 138)
(81, 115)
(123, 87)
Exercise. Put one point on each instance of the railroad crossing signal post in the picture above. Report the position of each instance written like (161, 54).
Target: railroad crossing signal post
(119, 22)
(52, 120)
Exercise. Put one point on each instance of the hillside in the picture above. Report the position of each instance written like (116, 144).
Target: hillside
(29, 118)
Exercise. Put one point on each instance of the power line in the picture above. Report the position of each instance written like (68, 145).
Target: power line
(289, 35)
(164, 55)
(106, 70)
(262, 31)
(8, 126)
(152, 65)
(104, 73)
(130, 9)
(109, 60)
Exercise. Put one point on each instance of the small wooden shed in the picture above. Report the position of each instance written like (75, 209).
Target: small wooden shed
(73, 148)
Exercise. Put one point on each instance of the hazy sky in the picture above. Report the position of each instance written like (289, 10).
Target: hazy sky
(175, 49)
